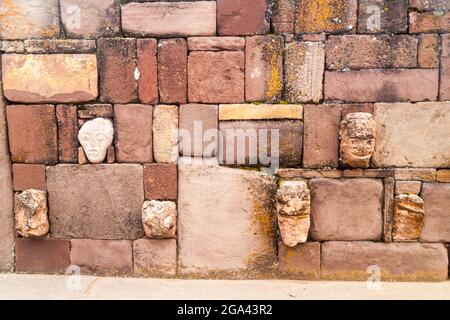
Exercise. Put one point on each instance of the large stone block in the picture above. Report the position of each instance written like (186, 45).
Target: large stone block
(170, 19)
(96, 201)
(56, 78)
(436, 227)
(346, 209)
(396, 261)
(412, 135)
(386, 16)
(227, 222)
(301, 262)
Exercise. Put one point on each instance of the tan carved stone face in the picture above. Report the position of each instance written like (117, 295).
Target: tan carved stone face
(95, 137)
(357, 139)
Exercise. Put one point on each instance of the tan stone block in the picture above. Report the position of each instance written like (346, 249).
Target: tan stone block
(301, 262)
(408, 217)
(260, 112)
(165, 133)
(412, 187)
(155, 257)
(443, 176)
(216, 43)
(415, 174)
(309, 173)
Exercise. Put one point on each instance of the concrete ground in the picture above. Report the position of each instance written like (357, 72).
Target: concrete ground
(15, 286)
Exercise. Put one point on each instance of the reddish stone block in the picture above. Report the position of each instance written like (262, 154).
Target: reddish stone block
(160, 181)
(421, 22)
(445, 68)
(108, 257)
(91, 111)
(32, 133)
(134, 136)
(393, 16)
(428, 51)
(216, 77)
(301, 262)
(216, 43)
(148, 69)
(284, 16)
(117, 66)
(155, 257)
(436, 225)
(42, 256)
(67, 133)
(242, 17)
(429, 5)
(382, 85)
(198, 125)
(28, 176)
(321, 136)
(172, 70)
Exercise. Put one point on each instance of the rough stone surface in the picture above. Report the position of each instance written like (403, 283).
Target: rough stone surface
(216, 43)
(410, 135)
(59, 46)
(147, 50)
(429, 5)
(397, 261)
(241, 17)
(429, 22)
(260, 112)
(90, 19)
(293, 198)
(96, 201)
(357, 134)
(42, 256)
(436, 226)
(13, 46)
(382, 85)
(66, 116)
(172, 70)
(31, 213)
(133, 124)
(264, 68)
(117, 69)
(170, 19)
(443, 176)
(291, 173)
(393, 16)
(304, 67)
(160, 181)
(95, 137)
(91, 111)
(321, 144)
(165, 133)
(408, 217)
(283, 16)
(106, 257)
(155, 257)
(388, 208)
(412, 187)
(32, 133)
(160, 219)
(415, 174)
(294, 229)
(428, 51)
(227, 229)
(216, 77)
(22, 19)
(28, 176)
(301, 262)
(444, 93)
(56, 78)
(346, 209)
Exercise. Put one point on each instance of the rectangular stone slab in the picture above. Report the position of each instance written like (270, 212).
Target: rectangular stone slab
(95, 201)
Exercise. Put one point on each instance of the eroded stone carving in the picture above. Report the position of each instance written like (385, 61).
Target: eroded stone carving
(31, 213)
(160, 219)
(293, 208)
(408, 217)
(95, 137)
(357, 134)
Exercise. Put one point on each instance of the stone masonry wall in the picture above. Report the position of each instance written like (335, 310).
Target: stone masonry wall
(298, 139)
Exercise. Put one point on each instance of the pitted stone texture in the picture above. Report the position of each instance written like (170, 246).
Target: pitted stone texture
(160, 181)
(160, 219)
(332, 16)
(293, 198)
(95, 137)
(165, 133)
(436, 227)
(66, 116)
(28, 176)
(304, 66)
(24, 19)
(294, 229)
(358, 135)
(170, 19)
(134, 133)
(56, 78)
(264, 68)
(411, 135)
(51, 46)
(346, 209)
(31, 213)
(216, 43)
(90, 19)
(408, 217)
(242, 17)
(396, 261)
(96, 201)
(226, 221)
(301, 262)
(383, 16)
(155, 257)
(429, 5)
(444, 93)
(284, 16)
(216, 77)
(147, 51)
(412, 187)
(428, 51)
(426, 22)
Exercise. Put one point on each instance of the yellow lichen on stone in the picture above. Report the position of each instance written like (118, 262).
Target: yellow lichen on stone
(321, 15)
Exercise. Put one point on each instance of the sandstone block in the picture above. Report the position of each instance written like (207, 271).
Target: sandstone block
(28, 176)
(51, 46)
(260, 112)
(91, 111)
(216, 43)
(301, 262)
(408, 217)
(429, 5)
(436, 226)
(165, 133)
(31, 213)
(421, 22)
(160, 219)
(160, 181)
(412, 187)
(290, 173)
(444, 93)
(415, 174)
(96, 201)
(147, 50)
(386, 16)
(95, 137)
(428, 51)
(283, 16)
(155, 257)
(66, 116)
(388, 208)
(59, 78)
(443, 176)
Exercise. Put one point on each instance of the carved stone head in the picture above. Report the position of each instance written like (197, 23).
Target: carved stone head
(95, 137)
(357, 135)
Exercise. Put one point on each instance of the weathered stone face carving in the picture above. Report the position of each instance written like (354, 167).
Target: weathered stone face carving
(294, 208)
(160, 219)
(31, 213)
(408, 217)
(95, 137)
(357, 135)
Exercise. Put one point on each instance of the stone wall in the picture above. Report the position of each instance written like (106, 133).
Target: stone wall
(299, 139)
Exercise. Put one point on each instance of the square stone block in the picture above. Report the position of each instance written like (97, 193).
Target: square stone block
(28, 176)
(160, 181)
(155, 257)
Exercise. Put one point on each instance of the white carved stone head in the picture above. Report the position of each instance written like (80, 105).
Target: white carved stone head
(95, 137)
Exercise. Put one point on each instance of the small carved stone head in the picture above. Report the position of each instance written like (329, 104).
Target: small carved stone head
(95, 137)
